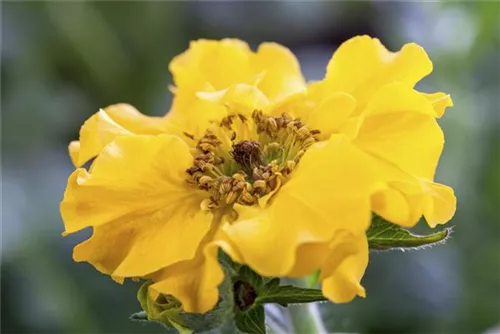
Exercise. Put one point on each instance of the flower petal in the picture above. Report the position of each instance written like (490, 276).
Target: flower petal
(194, 115)
(392, 205)
(401, 131)
(102, 127)
(362, 65)
(440, 204)
(309, 257)
(343, 270)
(144, 213)
(220, 63)
(405, 201)
(332, 114)
(194, 282)
(397, 97)
(440, 101)
(240, 98)
(282, 74)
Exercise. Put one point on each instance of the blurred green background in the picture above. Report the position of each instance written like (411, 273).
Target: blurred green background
(61, 61)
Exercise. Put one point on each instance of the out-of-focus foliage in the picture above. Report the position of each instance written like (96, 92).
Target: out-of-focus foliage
(61, 61)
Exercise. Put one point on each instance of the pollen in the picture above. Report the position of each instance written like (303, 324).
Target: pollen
(242, 159)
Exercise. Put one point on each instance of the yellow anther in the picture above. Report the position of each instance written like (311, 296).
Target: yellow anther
(239, 176)
(205, 179)
(272, 125)
(246, 198)
(208, 167)
(260, 184)
(309, 142)
(231, 197)
(225, 187)
(303, 132)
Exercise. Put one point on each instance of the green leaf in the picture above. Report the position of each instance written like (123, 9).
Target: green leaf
(250, 276)
(383, 235)
(288, 294)
(252, 320)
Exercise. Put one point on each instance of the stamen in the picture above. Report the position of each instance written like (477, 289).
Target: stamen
(254, 167)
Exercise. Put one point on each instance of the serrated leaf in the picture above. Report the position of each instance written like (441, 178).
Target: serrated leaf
(272, 284)
(288, 294)
(252, 320)
(383, 235)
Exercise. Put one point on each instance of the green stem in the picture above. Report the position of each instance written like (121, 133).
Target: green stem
(306, 318)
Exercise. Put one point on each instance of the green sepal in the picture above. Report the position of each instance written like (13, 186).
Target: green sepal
(288, 294)
(251, 320)
(383, 235)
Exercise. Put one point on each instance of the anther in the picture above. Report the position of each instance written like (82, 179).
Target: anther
(273, 126)
(303, 132)
(231, 197)
(205, 179)
(308, 142)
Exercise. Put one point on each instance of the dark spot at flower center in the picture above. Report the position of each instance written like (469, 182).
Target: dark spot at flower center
(244, 295)
(248, 154)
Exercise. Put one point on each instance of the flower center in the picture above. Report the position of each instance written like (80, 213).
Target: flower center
(241, 160)
(247, 154)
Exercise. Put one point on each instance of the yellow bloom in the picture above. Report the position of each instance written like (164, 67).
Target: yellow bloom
(234, 168)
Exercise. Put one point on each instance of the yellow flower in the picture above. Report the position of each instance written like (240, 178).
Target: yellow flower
(284, 195)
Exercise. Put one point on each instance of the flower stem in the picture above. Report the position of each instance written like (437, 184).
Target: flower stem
(306, 318)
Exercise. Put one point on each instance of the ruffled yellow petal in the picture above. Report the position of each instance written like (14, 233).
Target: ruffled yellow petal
(392, 205)
(220, 63)
(401, 131)
(407, 197)
(439, 205)
(344, 268)
(330, 190)
(308, 258)
(241, 98)
(145, 215)
(194, 115)
(362, 65)
(405, 201)
(440, 101)
(282, 76)
(397, 97)
(332, 114)
(194, 282)
(102, 127)
(342, 262)
(321, 108)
